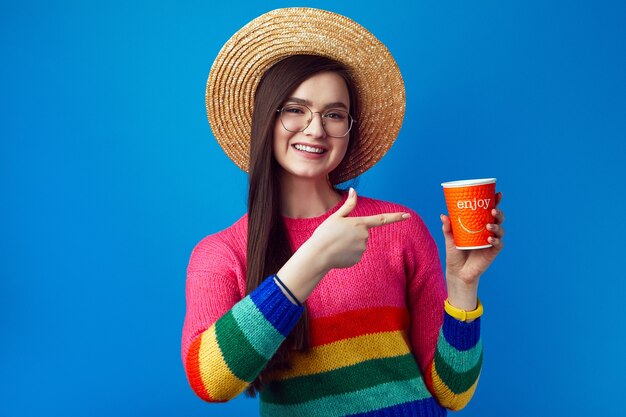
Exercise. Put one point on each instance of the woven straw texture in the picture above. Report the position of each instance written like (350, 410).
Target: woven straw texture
(264, 41)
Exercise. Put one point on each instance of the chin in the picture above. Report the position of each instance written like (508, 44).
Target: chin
(308, 174)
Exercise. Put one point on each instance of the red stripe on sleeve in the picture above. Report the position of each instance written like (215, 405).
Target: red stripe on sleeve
(428, 378)
(193, 371)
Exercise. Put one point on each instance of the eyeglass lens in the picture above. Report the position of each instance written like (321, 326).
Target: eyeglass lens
(297, 117)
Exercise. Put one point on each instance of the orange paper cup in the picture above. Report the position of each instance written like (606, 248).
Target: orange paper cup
(469, 207)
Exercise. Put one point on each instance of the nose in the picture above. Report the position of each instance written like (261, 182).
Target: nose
(316, 127)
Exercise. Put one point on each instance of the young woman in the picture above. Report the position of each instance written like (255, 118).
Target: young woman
(326, 303)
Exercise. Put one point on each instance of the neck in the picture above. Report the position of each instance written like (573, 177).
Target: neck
(303, 198)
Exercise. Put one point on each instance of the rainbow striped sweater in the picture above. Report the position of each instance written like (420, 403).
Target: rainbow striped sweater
(382, 344)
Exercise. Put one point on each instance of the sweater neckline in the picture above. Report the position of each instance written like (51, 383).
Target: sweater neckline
(311, 223)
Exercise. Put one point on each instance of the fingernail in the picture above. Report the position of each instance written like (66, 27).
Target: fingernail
(491, 226)
(351, 192)
(406, 215)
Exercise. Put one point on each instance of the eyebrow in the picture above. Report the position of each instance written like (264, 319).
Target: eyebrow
(308, 103)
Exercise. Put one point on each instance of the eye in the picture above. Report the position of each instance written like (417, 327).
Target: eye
(293, 109)
(336, 115)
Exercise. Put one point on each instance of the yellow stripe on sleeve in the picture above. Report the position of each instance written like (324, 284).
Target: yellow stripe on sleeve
(446, 397)
(217, 378)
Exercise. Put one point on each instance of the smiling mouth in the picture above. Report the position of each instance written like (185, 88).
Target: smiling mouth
(309, 149)
(468, 230)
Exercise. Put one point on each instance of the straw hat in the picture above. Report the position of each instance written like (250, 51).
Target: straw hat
(275, 35)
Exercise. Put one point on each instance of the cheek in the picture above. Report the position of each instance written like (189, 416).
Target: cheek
(281, 136)
(340, 153)
(280, 144)
(343, 150)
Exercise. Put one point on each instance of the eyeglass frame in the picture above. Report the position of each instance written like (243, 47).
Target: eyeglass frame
(352, 120)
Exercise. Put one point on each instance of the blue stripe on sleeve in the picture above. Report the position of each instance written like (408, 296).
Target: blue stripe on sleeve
(276, 307)
(459, 334)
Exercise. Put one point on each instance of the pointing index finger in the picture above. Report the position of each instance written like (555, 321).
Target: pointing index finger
(383, 219)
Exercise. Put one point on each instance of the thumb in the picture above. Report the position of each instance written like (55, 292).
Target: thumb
(447, 231)
(348, 205)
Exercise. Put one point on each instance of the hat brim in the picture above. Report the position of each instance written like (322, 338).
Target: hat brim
(273, 36)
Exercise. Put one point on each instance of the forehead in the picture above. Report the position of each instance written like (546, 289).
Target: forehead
(322, 89)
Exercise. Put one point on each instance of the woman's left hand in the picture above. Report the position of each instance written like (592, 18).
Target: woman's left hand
(466, 266)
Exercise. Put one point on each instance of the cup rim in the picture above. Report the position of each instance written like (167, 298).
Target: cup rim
(467, 183)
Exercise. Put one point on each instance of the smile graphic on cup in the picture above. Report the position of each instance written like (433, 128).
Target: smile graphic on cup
(469, 207)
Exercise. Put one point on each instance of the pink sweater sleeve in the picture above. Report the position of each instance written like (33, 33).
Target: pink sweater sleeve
(448, 351)
(427, 291)
(211, 289)
(227, 338)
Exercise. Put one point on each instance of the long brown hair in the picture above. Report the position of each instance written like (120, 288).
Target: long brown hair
(268, 244)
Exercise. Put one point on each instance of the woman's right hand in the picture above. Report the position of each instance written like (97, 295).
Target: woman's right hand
(340, 241)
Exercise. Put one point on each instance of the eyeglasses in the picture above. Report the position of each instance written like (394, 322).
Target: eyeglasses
(297, 117)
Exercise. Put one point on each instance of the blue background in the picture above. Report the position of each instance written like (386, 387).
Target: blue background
(109, 175)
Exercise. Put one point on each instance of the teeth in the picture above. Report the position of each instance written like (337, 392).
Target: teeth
(308, 149)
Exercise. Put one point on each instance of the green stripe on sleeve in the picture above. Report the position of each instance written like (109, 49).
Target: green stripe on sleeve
(260, 333)
(242, 359)
(458, 382)
(459, 361)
